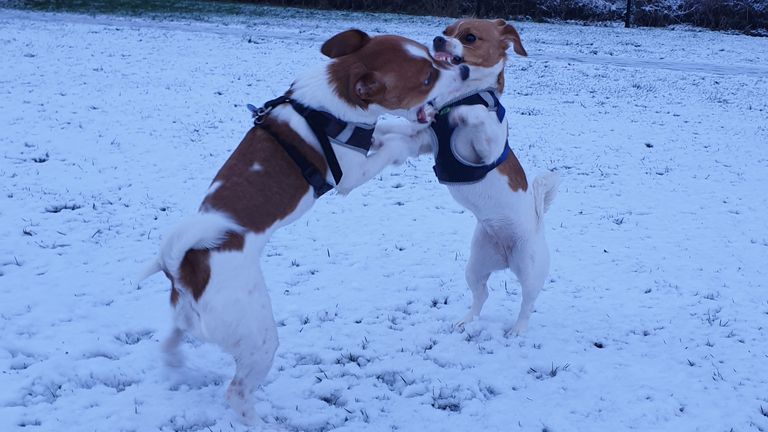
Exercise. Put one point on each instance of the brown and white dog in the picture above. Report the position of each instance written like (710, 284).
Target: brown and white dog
(509, 211)
(218, 293)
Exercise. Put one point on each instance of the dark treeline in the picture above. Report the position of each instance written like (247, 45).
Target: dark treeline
(750, 16)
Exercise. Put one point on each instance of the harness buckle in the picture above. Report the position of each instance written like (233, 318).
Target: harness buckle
(258, 114)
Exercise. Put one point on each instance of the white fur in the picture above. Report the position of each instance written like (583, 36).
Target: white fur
(417, 51)
(214, 186)
(510, 226)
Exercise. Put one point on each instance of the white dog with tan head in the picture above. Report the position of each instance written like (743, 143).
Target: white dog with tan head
(474, 160)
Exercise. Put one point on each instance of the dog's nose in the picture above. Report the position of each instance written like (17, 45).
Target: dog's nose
(438, 43)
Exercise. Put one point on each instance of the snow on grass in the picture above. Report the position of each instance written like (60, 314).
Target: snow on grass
(654, 317)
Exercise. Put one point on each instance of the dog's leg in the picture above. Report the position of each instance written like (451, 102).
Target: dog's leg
(172, 356)
(485, 258)
(392, 149)
(480, 132)
(530, 262)
(252, 366)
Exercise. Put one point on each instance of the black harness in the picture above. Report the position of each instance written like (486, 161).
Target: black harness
(326, 127)
(448, 167)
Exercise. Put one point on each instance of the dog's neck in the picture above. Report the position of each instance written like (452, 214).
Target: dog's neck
(481, 78)
(316, 89)
(500, 82)
(500, 76)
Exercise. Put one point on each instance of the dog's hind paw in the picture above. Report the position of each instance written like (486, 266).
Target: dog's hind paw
(468, 318)
(517, 330)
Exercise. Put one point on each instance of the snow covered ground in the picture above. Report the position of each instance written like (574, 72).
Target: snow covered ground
(655, 317)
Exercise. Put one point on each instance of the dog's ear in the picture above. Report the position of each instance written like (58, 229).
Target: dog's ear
(510, 35)
(368, 87)
(345, 43)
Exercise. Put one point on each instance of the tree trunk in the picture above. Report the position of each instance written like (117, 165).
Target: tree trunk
(628, 15)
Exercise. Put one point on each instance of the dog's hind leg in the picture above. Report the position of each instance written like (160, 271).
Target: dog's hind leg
(486, 256)
(530, 262)
(252, 365)
(241, 321)
(171, 353)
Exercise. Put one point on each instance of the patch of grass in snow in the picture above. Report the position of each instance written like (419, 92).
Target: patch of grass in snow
(541, 374)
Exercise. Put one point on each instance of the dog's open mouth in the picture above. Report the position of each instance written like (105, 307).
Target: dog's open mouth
(421, 115)
(448, 57)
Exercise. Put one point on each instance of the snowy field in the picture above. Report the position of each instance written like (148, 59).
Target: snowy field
(655, 317)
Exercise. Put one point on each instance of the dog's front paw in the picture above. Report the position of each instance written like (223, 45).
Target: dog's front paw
(468, 115)
(388, 124)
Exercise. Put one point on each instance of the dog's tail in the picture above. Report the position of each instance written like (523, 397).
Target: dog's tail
(544, 192)
(200, 231)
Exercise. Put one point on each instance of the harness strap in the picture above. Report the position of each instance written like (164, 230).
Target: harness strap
(486, 98)
(318, 121)
(325, 127)
(309, 171)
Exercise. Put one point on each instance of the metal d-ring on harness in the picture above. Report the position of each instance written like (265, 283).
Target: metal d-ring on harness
(449, 168)
(325, 127)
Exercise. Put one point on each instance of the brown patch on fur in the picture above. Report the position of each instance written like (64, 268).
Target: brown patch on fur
(490, 46)
(174, 292)
(382, 71)
(514, 173)
(195, 271)
(256, 199)
(233, 242)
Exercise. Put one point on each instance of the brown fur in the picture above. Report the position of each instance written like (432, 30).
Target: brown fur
(514, 173)
(381, 72)
(257, 199)
(195, 271)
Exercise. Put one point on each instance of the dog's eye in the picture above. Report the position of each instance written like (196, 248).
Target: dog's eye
(428, 80)
(470, 38)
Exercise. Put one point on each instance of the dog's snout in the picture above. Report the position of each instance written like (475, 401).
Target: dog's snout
(438, 43)
(464, 72)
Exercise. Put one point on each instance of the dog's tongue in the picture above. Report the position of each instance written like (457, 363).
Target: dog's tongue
(443, 56)
(421, 116)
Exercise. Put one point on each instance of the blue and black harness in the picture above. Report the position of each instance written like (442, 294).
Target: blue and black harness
(450, 168)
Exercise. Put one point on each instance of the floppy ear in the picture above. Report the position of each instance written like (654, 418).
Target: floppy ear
(345, 43)
(368, 87)
(510, 35)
